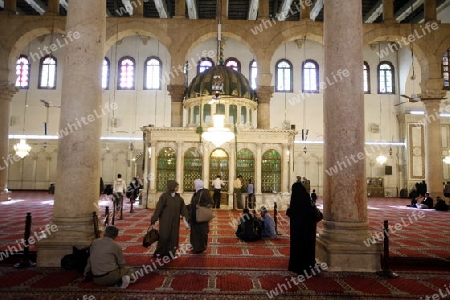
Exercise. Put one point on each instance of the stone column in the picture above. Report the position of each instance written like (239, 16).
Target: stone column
(151, 203)
(53, 7)
(7, 91)
(78, 172)
(257, 180)
(284, 169)
(176, 92)
(388, 10)
(180, 9)
(430, 10)
(179, 166)
(264, 95)
(205, 153)
(433, 153)
(345, 228)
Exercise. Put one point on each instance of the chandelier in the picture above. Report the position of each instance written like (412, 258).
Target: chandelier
(22, 148)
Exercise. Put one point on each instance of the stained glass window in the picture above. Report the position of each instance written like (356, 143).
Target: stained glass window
(271, 172)
(126, 73)
(366, 78)
(23, 72)
(253, 73)
(283, 76)
(245, 165)
(446, 70)
(233, 63)
(310, 75)
(385, 78)
(152, 75)
(219, 166)
(193, 164)
(47, 73)
(105, 74)
(166, 168)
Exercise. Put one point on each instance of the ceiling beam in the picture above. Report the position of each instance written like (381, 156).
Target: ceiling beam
(284, 11)
(253, 9)
(128, 6)
(161, 7)
(38, 6)
(192, 9)
(405, 10)
(315, 10)
(374, 12)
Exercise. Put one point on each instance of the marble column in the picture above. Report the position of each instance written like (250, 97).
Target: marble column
(388, 10)
(7, 92)
(257, 181)
(78, 162)
(284, 168)
(345, 227)
(430, 10)
(179, 166)
(433, 154)
(176, 92)
(151, 202)
(205, 155)
(264, 95)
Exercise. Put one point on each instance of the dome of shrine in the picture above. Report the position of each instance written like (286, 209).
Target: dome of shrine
(235, 84)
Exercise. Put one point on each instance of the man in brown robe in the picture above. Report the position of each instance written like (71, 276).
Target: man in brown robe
(168, 210)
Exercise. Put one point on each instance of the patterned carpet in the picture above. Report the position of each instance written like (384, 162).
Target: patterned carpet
(230, 269)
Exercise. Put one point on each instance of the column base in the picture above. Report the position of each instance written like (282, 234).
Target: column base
(78, 232)
(342, 246)
(4, 195)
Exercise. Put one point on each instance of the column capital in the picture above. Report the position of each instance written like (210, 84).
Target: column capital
(176, 91)
(7, 91)
(264, 93)
(433, 95)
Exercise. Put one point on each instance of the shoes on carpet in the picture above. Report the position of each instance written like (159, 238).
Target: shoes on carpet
(125, 281)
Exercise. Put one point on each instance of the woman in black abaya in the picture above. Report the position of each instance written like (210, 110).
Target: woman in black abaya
(303, 231)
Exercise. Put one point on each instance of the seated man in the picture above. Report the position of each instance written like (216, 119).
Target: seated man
(427, 202)
(106, 261)
(249, 227)
(267, 224)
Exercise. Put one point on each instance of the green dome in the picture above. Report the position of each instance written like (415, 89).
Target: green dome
(234, 84)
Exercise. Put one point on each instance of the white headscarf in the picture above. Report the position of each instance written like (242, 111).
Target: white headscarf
(198, 185)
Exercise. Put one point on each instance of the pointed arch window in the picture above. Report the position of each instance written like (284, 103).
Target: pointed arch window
(166, 168)
(233, 63)
(366, 78)
(446, 70)
(204, 64)
(105, 74)
(23, 72)
(253, 71)
(193, 166)
(126, 73)
(386, 78)
(245, 164)
(153, 72)
(47, 73)
(310, 75)
(271, 172)
(283, 76)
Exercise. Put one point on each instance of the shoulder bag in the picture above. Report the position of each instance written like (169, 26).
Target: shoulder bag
(203, 213)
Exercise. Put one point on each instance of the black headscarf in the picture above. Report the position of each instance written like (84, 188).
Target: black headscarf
(300, 198)
(171, 185)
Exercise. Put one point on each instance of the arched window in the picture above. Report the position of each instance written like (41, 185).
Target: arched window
(310, 75)
(23, 72)
(271, 172)
(245, 165)
(47, 73)
(233, 63)
(152, 73)
(126, 73)
(253, 73)
(446, 70)
(218, 165)
(204, 64)
(366, 78)
(105, 74)
(166, 168)
(385, 78)
(283, 76)
(193, 164)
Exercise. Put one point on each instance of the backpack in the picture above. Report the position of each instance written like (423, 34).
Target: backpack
(77, 260)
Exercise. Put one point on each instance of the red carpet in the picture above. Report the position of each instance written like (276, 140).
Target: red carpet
(231, 269)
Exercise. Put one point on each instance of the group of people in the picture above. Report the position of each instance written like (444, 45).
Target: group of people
(218, 184)
(120, 188)
(107, 264)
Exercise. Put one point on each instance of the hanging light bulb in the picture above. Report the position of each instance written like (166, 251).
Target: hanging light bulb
(381, 159)
(22, 148)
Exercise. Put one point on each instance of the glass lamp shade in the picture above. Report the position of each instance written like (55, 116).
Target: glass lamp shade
(22, 148)
(218, 134)
(381, 159)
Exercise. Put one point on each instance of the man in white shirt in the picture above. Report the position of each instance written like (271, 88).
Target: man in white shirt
(217, 185)
(237, 193)
(118, 190)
